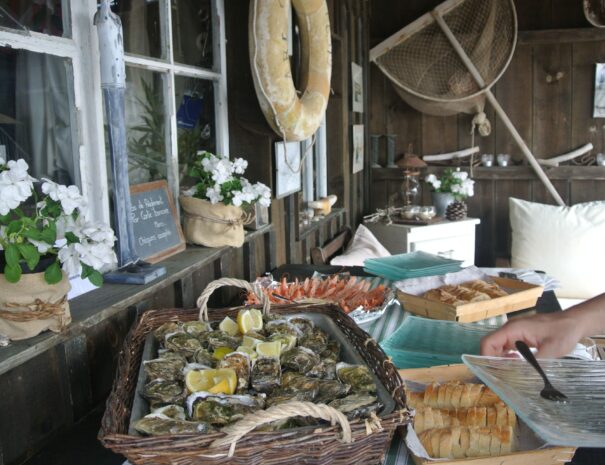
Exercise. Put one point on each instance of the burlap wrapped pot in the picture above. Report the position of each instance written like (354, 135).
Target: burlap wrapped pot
(213, 225)
(31, 306)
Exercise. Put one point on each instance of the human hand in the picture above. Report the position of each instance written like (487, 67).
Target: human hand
(554, 335)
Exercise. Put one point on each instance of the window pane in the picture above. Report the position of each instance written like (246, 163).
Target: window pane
(37, 119)
(195, 118)
(141, 25)
(192, 32)
(47, 17)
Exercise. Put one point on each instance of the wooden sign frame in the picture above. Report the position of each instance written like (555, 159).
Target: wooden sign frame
(182, 245)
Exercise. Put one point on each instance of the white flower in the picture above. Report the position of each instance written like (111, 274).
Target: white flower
(16, 185)
(462, 175)
(214, 194)
(431, 178)
(239, 165)
(436, 184)
(70, 260)
(99, 233)
(69, 196)
(468, 187)
(264, 194)
(42, 247)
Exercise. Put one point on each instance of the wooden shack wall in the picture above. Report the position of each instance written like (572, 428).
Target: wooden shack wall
(554, 116)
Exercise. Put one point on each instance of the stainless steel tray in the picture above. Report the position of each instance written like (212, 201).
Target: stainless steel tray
(349, 354)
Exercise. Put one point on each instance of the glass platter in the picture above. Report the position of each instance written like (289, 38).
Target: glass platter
(580, 422)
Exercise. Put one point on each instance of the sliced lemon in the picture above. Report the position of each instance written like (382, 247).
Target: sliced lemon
(287, 340)
(220, 352)
(229, 326)
(269, 349)
(198, 380)
(222, 380)
(228, 374)
(222, 387)
(248, 341)
(257, 317)
(248, 350)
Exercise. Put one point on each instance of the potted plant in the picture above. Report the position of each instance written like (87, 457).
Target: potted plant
(449, 192)
(214, 208)
(45, 238)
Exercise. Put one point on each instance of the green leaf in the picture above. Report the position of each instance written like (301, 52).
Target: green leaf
(12, 273)
(87, 270)
(53, 273)
(49, 234)
(96, 278)
(12, 255)
(30, 254)
(14, 227)
(71, 238)
(5, 219)
(33, 233)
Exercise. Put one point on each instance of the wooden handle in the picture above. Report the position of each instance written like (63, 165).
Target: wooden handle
(202, 301)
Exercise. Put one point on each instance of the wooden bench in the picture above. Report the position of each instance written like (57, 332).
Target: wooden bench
(323, 255)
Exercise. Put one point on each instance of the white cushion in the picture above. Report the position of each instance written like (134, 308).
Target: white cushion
(364, 245)
(568, 243)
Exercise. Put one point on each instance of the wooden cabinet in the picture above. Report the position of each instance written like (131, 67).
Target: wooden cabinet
(451, 239)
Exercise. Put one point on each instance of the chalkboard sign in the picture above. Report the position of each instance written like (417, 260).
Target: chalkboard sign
(157, 231)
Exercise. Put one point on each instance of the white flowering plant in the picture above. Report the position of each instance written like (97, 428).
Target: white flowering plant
(220, 179)
(452, 181)
(44, 219)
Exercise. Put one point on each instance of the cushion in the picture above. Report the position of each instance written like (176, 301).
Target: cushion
(364, 245)
(568, 243)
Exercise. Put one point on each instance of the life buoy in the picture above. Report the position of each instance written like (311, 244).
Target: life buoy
(291, 117)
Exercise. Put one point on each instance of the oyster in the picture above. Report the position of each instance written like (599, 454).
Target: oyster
(204, 357)
(220, 338)
(357, 405)
(169, 354)
(156, 424)
(358, 376)
(256, 335)
(288, 423)
(282, 327)
(195, 328)
(316, 340)
(182, 343)
(332, 351)
(176, 412)
(287, 340)
(160, 392)
(266, 374)
(220, 409)
(331, 389)
(299, 359)
(194, 366)
(279, 397)
(164, 368)
(295, 382)
(304, 325)
(166, 328)
(240, 363)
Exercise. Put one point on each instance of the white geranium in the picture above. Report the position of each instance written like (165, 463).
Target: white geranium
(69, 196)
(70, 260)
(214, 194)
(452, 181)
(239, 165)
(16, 185)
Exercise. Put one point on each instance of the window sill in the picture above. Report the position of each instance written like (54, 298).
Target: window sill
(94, 307)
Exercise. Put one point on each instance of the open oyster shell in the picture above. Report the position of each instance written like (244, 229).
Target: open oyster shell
(176, 412)
(156, 424)
(266, 374)
(282, 327)
(240, 363)
(358, 376)
(287, 340)
(295, 382)
(300, 359)
(167, 328)
(332, 351)
(316, 340)
(331, 389)
(218, 338)
(279, 397)
(357, 405)
(204, 357)
(220, 409)
(164, 368)
(304, 325)
(195, 328)
(182, 343)
(161, 392)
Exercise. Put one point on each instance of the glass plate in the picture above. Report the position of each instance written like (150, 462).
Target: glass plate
(580, 422)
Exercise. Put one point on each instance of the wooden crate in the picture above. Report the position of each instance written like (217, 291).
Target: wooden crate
(522, 295)
(442, 374)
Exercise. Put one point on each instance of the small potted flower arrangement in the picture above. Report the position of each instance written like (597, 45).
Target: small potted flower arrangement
(45, 238)
(449, 192)
(215, 206)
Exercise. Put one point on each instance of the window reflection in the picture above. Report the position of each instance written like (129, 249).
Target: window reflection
(43, 16)
(141, 26)
(192, 32)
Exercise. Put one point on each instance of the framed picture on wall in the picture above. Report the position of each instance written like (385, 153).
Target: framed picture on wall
(357, 87)
(358, 147)
(287, 168)
(598, 110)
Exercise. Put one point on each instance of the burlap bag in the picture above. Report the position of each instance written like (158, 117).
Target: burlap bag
(211, 225)
(31, 306)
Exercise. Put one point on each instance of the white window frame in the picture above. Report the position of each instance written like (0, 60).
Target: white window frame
(83, 51)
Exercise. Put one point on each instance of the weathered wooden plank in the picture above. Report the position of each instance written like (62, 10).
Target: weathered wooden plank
(184, 293)
(541, 195)
(534, 15)
(78, 376)
(559, 36)
(249, 255)
(586, 191)
(439, 135)
(501, 232)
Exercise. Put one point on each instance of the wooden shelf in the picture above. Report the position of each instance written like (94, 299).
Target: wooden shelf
(556, 36)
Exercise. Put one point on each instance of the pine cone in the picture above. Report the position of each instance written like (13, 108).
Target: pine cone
(456, 211)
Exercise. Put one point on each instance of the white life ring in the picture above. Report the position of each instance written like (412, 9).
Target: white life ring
(291, 117)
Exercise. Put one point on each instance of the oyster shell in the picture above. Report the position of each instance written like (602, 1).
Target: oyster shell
(282, 327)
(204, 357)
(195, 328)
(279, 397)
(164, 368)
(219, 409)
(304, 325)
(358, 376)
(176, 412)
(300, 359)
(357, 405)
(169, 354)
(194, 366)
(182, 343)
(256, 335)
(220, 338)
(240, 363)
(332, 351)
(316, 340)
(156, 424)
(266, 374)
(160, 392)
(295, 382)
(287, 340)
(331, 389)
(167, 328)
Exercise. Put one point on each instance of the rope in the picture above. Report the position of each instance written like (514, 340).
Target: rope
(373, 424)
(481, 123)
(202, 301)
(382, 215)
(37, 310)
(246, 218)
(281, 411)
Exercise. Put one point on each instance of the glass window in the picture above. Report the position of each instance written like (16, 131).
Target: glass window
(37, 119)
(141, 26)
(195, 118)
(192, 32)
(145, 125)
(44, 16)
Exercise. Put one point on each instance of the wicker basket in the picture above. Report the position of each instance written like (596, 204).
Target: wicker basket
(367, 444)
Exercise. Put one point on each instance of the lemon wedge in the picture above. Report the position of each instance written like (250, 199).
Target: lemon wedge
(248, 350)
(269, 349)
(249, 320)
(249, 341)
(222, 387)
(220, 352)
(198, 380)
(229, 326)
(219, 381)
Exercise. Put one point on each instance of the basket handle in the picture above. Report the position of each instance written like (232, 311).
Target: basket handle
(279, 412)
(202, 301)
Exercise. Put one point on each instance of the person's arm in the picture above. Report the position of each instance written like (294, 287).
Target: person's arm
(553, 334)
